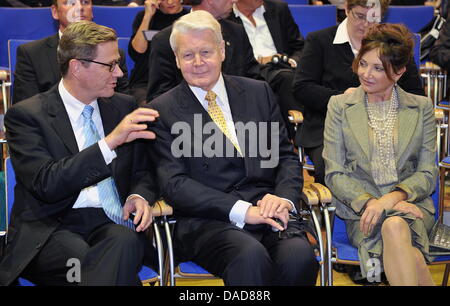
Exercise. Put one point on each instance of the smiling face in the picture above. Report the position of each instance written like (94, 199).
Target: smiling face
(374, 77)
(200, 58)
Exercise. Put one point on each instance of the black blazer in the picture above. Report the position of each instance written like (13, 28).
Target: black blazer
(325, 70)
(203, 189)
(283, 29)
(440, 52)
(37, 68)
(51, 172)
(164, 73)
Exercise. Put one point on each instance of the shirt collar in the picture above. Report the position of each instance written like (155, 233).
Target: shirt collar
(74, 107)
(219, 89)
(258, 12)
(342, 37)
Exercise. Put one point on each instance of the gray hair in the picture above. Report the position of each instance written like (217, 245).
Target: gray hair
(195, 21)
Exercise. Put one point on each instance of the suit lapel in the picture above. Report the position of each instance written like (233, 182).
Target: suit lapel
(189, 111)
(359, 122)
(110, 119)
(60, 121)
(407, 122)
(52, 44)
(228, 47)
(274, 26)
(240, 113)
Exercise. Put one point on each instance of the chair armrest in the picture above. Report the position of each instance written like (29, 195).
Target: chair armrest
(295, 116)
(322, 192)
(161, 208)
(309, 196)
(439, 115)
(3, 75)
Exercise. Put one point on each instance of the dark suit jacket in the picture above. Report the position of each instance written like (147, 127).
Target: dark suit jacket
(51, 172)
(283, 29)
(164, 73)
(37, 69)
(204, 189)
(325, 70)
(440, 52)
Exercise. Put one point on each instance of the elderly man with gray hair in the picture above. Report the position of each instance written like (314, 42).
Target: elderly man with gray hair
(236, 211)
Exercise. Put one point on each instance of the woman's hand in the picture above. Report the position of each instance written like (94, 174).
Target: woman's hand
(406, 207)
(371, 215)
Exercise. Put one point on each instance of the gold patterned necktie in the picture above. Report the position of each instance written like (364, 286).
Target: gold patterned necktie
(217, 116)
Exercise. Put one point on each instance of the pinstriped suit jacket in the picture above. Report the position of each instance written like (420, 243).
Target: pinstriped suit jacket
(347, 157)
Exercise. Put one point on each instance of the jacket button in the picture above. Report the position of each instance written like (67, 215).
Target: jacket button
(38, 245)
(205, 165)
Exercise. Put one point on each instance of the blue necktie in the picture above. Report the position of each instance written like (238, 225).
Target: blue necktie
(107, 190)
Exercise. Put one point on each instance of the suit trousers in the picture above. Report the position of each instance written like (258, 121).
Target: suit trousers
(257, 258)
(280, 80)
(109, 254)
(315, 154)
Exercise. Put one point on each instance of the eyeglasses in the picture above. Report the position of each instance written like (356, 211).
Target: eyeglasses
(111, 66)
(363, 18)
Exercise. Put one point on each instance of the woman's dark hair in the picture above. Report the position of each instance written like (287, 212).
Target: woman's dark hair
(394, 43)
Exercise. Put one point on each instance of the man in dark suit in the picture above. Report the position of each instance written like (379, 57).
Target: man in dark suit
(226, 186)
(163, 71)
(80, 171)
(277, 44)
(36, 65)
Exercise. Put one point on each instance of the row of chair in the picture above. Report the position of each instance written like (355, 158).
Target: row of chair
(168, 272)
(36, 23)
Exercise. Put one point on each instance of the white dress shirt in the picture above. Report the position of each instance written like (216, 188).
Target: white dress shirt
(239, 209)
(89, 196)
(342, 37)
(259, 35)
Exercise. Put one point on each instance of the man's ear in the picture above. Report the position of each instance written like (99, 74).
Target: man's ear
(176, 59)
(75, 68)
(55, 14)
(222, 50)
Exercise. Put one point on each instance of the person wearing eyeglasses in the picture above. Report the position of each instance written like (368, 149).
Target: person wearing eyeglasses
(325, 70)
(36, 65)
(84, 184)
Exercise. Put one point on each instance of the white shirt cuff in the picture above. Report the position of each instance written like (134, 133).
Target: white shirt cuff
(237, 213)
(108, 154)
(135, 195)
(294, 210)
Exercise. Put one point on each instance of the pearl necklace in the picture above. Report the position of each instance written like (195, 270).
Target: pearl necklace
(383, 128)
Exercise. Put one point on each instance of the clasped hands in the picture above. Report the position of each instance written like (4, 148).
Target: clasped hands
(267, 209)
(374, 208)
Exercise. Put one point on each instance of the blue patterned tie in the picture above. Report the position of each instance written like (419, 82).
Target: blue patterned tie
(107, 190)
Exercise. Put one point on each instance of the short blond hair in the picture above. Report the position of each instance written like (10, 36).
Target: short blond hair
(80, 40)
(195, 21)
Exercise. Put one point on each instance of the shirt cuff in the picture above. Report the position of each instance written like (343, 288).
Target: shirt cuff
(108, 154)
(135, 195)
(293, 210)
(360, 202)
(237, 213)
